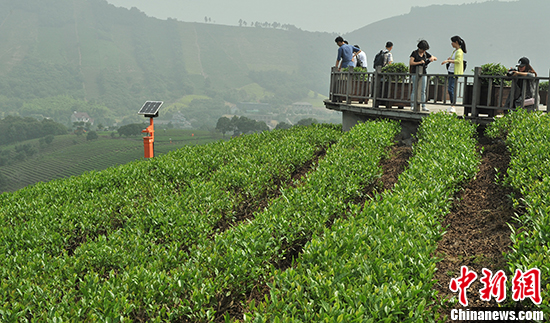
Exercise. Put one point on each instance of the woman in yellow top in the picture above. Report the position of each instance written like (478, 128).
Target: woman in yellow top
(455, 67)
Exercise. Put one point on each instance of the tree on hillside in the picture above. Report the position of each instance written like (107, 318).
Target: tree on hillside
(81, 128)
(133, 129)
(48, 139)
(92, 135)
(283, 125)
(244, 125)
(307, 122)
(224, 125)
(45, 140)
(50, 127)
(18, 129)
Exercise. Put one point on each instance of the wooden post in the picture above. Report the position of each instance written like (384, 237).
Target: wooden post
(512, 94)
(376, 86)
(348, 85)
(475, 92)
(332, 84)
(536, 94)
(436, 89)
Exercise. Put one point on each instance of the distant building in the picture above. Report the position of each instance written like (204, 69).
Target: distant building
(81, 117)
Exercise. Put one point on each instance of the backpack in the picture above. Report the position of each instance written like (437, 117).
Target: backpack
(380, 59)
(359, 62)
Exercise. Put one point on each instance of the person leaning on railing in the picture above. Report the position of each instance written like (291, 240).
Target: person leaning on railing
(345, 54)
(455, 66)
(524, 74)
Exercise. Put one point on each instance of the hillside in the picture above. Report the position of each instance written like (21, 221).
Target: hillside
(60, 56)
(494, 31)
(113, 59)
(72, 155)
(302, 225)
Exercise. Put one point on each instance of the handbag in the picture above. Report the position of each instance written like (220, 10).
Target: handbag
(463, 64)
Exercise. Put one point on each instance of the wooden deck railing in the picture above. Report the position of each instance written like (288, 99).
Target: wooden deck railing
(477, 93)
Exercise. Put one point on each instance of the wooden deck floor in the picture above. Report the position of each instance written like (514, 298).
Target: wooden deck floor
(405, 113)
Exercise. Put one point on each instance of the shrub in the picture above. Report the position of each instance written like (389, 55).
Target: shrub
(92, 135)
(395, 68)
(494, 69)
(543, 86)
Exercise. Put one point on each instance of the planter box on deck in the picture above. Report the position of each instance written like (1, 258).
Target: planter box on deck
(395, 91)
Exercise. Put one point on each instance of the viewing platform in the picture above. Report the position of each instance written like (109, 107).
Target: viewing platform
(371, 95)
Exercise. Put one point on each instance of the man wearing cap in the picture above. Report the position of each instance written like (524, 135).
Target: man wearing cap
(525, 78)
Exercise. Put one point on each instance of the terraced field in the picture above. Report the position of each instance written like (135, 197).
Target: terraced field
(71, 155)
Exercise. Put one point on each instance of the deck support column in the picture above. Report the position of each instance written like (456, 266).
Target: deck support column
(350, 119)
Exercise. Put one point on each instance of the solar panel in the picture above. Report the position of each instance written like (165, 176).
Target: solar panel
(150, 108)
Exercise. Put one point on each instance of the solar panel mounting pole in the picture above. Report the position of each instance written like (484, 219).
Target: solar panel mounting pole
(150, 110)
(149, 140)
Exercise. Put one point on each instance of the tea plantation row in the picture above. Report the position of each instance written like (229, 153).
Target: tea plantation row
(58, 237)
(528, 138)
(377, 264)
(165, 240)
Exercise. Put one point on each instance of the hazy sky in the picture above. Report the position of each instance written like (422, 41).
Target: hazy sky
(320, 15)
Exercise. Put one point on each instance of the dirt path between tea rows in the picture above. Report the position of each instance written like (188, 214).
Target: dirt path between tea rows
(477, 230)
(476, 235)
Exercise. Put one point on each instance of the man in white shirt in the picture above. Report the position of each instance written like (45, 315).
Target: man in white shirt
(360, 58)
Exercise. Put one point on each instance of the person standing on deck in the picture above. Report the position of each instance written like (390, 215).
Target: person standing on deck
(345, 54)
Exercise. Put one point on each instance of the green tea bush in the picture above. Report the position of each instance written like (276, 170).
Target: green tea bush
(102, 246)
(527, 135)
(377, 265)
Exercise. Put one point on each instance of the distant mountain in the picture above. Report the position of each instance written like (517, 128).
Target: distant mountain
(112, 59)
(61, 56)
(494, 31)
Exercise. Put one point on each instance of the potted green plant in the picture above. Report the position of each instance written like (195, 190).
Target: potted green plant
(492, 85)
(543, 93)
(399, 68)
(394, 86)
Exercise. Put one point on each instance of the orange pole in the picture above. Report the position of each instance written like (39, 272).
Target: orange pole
(149, 140)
